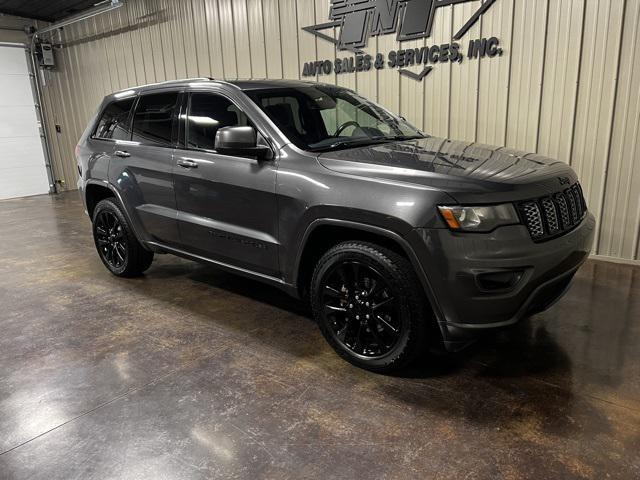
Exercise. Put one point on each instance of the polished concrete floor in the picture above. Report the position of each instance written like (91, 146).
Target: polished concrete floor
(189, 372)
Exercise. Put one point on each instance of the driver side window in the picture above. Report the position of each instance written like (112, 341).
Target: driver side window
(208, 113)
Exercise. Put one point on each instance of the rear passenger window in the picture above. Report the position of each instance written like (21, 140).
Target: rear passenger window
(114, 122)
(153, 119)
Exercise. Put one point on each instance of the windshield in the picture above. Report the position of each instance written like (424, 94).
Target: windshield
(322, 118)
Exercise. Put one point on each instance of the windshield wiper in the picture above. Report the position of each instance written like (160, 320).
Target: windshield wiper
(363, 142)
(396, 138)
(350, 143)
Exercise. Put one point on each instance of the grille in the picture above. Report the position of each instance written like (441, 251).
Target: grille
(550, 213)
(533, 219)
(549, 217)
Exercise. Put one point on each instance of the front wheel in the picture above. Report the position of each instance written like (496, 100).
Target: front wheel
(370, 306)
(117, 246)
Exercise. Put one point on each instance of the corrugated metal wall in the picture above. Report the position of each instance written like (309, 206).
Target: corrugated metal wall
(567, 86)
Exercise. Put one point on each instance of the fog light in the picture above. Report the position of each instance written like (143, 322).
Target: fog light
(499, 281)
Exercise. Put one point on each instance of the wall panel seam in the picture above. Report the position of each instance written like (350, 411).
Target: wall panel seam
(578, 74)
(219, 30)
(605, 173)
(509, 70)
(542, 79)
(264, 40)
(624, 134)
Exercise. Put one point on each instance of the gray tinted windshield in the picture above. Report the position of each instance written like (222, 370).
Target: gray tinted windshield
(321, 117)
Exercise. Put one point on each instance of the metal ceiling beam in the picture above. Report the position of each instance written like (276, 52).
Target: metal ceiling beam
(98, 9)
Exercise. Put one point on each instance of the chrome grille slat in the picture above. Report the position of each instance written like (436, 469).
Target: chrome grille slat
(548, 217)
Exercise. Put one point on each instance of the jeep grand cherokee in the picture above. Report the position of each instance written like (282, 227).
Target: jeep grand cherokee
(395, 237)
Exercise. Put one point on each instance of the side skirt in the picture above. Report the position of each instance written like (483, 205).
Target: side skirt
(274, 281)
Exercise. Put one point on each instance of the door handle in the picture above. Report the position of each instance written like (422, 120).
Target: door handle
(122, 154)
(187, 163)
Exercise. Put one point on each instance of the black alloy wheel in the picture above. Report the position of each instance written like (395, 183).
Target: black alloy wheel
(111, 239)
(362, 311)
(370, 306)
(119, 249)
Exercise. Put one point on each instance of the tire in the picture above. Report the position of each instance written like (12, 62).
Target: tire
(117, 246)
(383, 335)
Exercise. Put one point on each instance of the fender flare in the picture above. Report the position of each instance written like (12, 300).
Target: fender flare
(104, 183)
(400, 240)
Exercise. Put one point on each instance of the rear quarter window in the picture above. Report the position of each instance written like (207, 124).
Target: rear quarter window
(114, 122)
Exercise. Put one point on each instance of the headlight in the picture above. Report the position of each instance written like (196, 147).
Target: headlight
(479, 219)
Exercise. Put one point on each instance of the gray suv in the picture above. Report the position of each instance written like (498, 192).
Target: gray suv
(396, 238)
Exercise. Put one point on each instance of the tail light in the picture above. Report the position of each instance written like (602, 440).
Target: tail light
(77, 152)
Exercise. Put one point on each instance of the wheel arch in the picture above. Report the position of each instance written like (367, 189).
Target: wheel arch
(323, 234)
(96, 191)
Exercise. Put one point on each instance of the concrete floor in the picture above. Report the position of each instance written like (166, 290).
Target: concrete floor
(189, 372)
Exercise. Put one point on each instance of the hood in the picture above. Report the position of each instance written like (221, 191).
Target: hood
(469, 172)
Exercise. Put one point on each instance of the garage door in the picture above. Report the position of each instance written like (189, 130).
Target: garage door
(22, 161)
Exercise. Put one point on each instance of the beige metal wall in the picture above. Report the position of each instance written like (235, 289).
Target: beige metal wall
(568, 84)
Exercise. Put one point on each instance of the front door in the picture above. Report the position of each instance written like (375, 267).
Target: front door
(227, 209)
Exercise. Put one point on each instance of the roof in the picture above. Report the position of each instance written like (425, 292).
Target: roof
(263, 84)
(245, 85)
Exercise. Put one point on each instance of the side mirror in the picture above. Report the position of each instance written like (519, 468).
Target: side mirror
(240, 142)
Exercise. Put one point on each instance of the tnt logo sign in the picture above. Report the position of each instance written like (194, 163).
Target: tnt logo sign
(359, 20)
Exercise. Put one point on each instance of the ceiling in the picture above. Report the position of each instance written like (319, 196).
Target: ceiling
(47, 10)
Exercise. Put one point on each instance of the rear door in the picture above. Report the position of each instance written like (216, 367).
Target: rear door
(141, 166)
(227, 209)
(114, 124)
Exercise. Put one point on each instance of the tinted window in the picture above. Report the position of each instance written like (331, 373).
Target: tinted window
(153, 119)
(207, 114)
(322, 117)
(285, 112)
(114, 122)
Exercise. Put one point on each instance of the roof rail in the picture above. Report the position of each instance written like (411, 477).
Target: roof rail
(167, 82)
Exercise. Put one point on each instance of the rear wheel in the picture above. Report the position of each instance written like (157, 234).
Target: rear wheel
(117, 246)
(370, 306)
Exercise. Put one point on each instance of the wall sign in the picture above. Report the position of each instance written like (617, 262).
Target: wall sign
(359, 20)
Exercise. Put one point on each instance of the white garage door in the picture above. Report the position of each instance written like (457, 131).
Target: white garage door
(22, 163)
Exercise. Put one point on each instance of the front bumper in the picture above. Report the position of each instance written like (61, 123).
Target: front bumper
(461, 267)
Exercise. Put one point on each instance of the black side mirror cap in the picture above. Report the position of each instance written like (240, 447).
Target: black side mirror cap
(241, 142)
